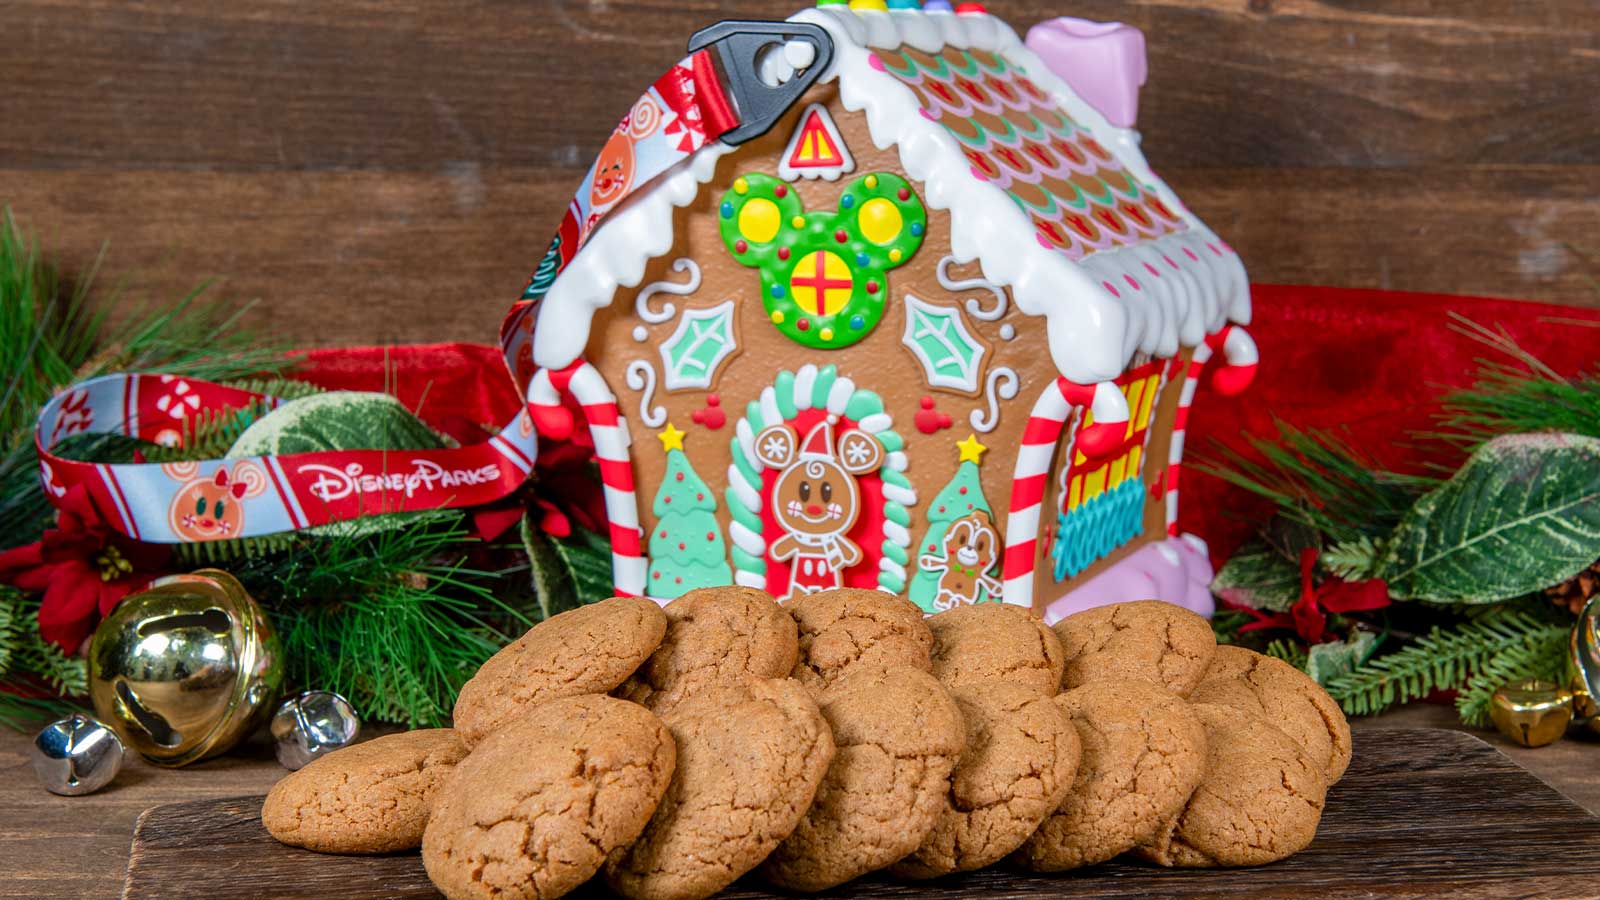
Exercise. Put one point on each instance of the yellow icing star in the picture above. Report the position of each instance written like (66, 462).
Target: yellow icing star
(971, 450)
(671, 439)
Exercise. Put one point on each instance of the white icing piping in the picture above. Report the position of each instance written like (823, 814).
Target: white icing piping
(642, 377)
(641, 304)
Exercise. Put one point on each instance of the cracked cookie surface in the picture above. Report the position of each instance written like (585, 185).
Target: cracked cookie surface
(995, 641)
(715, 634)
(372, 797)
(1260, 800)
(1020, 761)
(1253, 682)
(1144, 752)
(899, 736)
(1146, 640)
(588, 650)
(535, 808)
(849, 628)
(751, 753)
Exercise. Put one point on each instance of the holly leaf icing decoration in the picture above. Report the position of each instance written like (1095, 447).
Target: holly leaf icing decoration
(1523, 513)
(937, 335)
(824, 277)
(702, 340)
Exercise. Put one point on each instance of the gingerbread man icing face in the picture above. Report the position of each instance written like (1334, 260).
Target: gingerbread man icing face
(816, 500)
(212, 509)
(613, 172)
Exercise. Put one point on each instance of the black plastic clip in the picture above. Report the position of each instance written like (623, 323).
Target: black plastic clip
(738, 43)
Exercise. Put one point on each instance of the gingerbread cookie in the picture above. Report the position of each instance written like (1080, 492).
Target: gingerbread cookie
(1147, 640)
(751, 753)
(588, 650)
(1021, 757)
(1260, 800)
(1144, 752)
(1287, 697)
(534, 810)
(372, 797)
(715, 634)
(850, 627)
(995, 641)
(899, 736)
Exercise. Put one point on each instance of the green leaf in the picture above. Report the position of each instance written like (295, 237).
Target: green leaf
(1328, 661)
(1259, 577)
(342, 420)
(337, 420)
(1522, 514)
(567, 572)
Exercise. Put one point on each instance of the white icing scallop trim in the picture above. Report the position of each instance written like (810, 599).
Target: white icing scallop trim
(1093, 330)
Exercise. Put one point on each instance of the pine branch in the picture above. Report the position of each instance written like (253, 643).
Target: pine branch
(1289, 651)
(1318, 479)
(1444, 659)
(1542, 656)
(1522, 395)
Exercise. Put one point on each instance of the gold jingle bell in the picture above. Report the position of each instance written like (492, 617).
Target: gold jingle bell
(1584, 665)
(1532, 712)
(186, 669)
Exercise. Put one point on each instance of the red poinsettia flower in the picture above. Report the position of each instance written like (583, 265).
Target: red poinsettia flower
(83, 569)
(1309, 616)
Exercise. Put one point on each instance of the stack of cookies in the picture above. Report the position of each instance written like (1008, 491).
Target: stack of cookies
(672, 751)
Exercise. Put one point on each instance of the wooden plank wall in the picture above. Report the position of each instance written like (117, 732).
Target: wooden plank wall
(388, 170)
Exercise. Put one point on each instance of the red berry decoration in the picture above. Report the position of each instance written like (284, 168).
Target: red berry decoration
(712, 416)
(929, 420)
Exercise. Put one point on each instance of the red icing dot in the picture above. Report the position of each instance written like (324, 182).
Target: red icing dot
(872, 287)
(678, 580)
(682, 546)
(941, 509)
(699, 496)
(780, 191)
(803, 324)
(666, 499)
(841, 236)
(904, 194)
(931, 548)
(783, 252)
(663, 535)
(655, 575)
(711, 535)
(969, 506)
(740, 246)
(680, 476)
(963, 489)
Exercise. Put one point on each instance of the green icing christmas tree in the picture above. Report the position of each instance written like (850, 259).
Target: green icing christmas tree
(686, 549)
(961, 497)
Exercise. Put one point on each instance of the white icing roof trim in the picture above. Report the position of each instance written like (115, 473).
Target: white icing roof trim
(1093, 331)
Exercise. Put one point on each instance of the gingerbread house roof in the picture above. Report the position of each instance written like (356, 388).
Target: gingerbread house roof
(1051, 198)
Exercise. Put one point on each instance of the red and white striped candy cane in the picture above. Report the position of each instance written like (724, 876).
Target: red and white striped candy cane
(1046, 423)
(610, 432)
(1242, 357)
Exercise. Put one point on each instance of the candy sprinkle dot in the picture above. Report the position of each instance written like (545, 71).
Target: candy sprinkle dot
(740, 246)
(777, 292)
(803, 324)
(841, 236)
(781, 190)
(861, 259)
(904, 194)
(916, 228)
(857, 323)
(783, 252)
(895, 255)
(798, 222)
(777, 317)
(727, 210)
(872, 182)
(826, 334)
(872, 287)
(741, 186)
(847, 201)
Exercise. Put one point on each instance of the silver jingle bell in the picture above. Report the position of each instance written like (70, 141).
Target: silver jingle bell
(312, 724)
(76, 755)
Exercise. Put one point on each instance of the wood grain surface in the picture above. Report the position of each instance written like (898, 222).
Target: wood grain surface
(1421, 812)
(388, 170)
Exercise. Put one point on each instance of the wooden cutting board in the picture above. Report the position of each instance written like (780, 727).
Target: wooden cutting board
(1422, 812)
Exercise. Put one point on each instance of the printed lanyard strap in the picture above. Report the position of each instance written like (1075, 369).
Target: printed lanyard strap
(688, 107)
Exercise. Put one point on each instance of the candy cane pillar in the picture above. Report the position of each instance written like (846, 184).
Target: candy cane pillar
(610, 432)
(1046, 422)
(1242, 358)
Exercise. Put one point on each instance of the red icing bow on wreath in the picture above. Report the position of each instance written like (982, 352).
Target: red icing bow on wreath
(1309, 616)
(82, 568)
